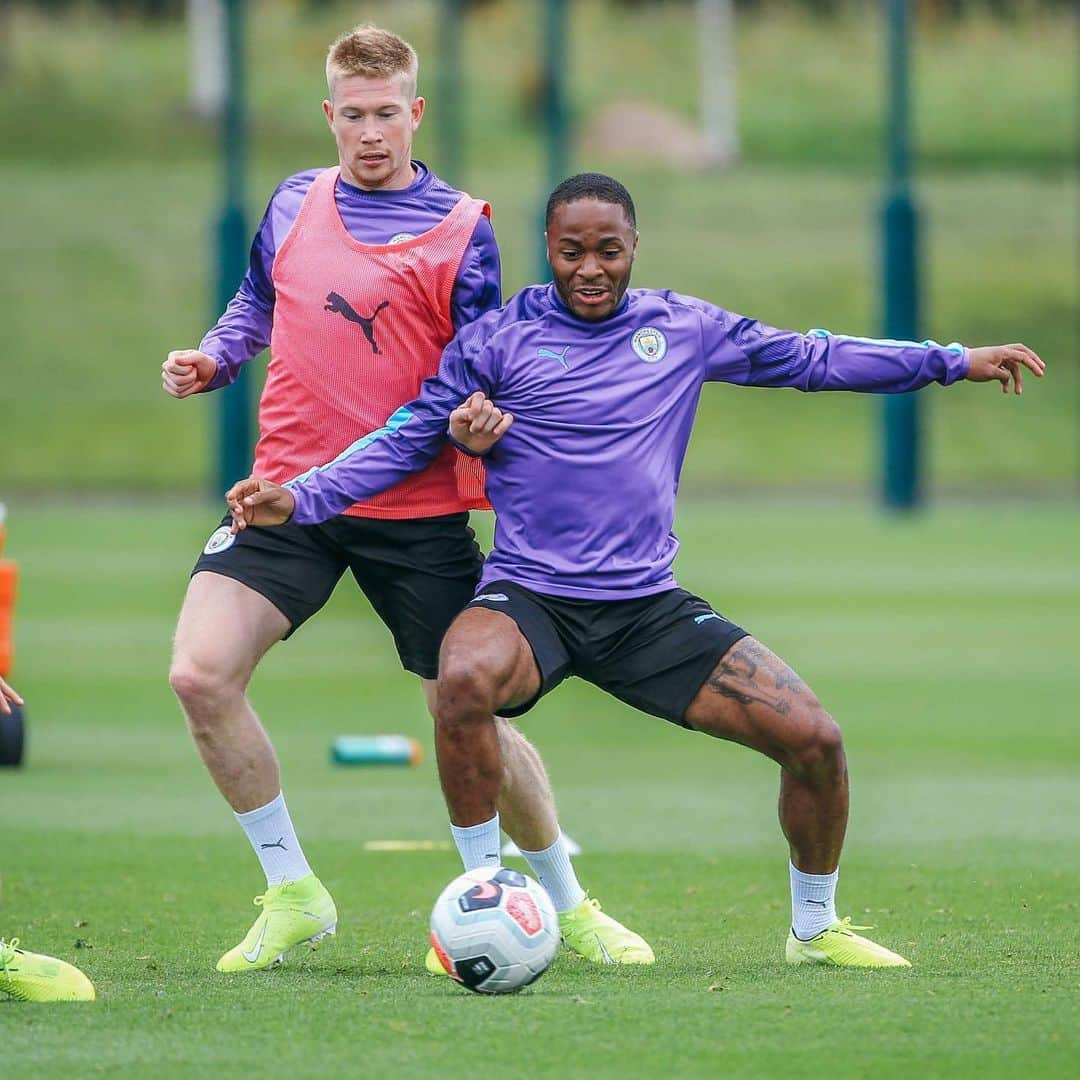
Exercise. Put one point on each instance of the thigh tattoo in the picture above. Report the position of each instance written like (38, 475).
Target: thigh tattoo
(752, 675)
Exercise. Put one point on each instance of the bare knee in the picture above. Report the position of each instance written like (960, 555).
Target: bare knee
(466, 693)
(203, 689)
(818, 752)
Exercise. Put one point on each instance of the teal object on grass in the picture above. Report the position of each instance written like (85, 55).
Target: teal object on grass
(376, 750)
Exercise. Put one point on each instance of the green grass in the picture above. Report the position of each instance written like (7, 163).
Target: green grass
(110, 187)
(946, 646)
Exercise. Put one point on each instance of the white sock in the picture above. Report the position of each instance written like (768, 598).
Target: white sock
(555, 872)
(813, 902)
(478, 845)
(271, 832)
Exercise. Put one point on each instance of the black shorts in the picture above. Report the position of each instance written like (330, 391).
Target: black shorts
(653, 652)
(418, 573)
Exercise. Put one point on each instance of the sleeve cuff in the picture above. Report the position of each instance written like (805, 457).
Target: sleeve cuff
(464, 449)
(959, 362)
(222, 377)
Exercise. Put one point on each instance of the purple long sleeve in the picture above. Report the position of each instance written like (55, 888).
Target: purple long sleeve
(373, 217)
(408, 441)
(584, 482)
(750, 353)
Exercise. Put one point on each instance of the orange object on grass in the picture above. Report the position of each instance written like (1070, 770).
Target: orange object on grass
(9, 579)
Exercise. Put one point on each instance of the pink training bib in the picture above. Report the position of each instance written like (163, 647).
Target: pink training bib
(357, 328)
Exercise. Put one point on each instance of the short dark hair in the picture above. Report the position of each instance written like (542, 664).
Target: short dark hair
(591, 185)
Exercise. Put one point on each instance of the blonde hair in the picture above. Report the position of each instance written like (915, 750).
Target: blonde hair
(367, 50)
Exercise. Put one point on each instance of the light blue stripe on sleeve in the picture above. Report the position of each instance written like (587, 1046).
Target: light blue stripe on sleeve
(954, 347)
(394, 423)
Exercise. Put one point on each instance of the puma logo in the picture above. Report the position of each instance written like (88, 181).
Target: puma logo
(279, 842)
(544, 353)
(340, 306)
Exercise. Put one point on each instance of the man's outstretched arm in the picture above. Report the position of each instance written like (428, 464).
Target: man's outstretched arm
(475, 425)
(750, 353)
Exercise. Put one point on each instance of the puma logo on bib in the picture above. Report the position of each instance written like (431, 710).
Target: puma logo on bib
(342, 307)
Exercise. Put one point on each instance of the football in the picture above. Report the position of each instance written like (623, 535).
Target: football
(495, 930)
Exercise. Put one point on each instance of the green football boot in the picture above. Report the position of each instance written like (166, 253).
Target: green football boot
(292, 913)
(840, 946)
(30, 977)
(587, 931)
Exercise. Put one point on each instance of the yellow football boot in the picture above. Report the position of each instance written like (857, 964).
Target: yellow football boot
(30, 977)
(587, 931)
(434, 964)
(292, 913)
(840, 946)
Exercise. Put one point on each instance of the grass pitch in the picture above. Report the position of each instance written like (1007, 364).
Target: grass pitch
(945, 646)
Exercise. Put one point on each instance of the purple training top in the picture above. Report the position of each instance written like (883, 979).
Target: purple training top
(584, 482)
(372, 217)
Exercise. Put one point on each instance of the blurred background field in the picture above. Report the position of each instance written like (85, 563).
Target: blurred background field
(110, 184)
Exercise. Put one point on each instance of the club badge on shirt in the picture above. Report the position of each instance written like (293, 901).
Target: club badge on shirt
(401, 237)
(649, 344)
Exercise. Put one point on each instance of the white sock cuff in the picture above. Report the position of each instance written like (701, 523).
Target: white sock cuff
(253, 817)
(544, 852)
(809, 884)
(270, 831)
(813, 902)
(554, 870)
(478, 845)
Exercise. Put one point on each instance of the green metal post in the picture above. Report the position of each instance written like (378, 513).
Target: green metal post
(901, 479)
(450, 126)
(556, 114)
(234, 414)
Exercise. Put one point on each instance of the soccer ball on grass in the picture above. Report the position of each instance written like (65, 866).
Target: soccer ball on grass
(495, 930)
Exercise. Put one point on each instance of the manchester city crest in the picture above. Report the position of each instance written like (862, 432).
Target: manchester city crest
(402, 238)
(650, 344)
(220, 540)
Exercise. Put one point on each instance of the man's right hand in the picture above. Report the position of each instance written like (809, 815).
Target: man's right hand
(186, 372)
(478, 423)
(8, 697)
(256, 501)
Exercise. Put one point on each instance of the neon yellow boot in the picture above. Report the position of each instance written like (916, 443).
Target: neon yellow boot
(840, 946)
(31, 977)
(587, 931)
(292, 913)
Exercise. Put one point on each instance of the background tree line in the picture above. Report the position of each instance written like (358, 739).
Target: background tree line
(932, 9)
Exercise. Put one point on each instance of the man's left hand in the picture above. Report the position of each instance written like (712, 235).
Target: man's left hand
(478, 423)
(1003, 364)
(256, 501)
